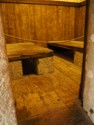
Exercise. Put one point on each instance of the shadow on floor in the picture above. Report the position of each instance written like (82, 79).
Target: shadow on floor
(63, 53)
(72, 115)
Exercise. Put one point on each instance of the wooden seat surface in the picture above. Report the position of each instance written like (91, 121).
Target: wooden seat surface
(73, 45)
(19, 51)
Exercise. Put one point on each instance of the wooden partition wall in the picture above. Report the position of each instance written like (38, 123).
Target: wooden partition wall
(80, 21)
(43, 22)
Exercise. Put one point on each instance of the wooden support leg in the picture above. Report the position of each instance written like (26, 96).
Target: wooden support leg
(78, 59)
(15, 69)
(44, 65)
(28, 66)
(39, 66)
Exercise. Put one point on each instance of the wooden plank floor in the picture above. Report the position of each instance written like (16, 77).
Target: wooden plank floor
(49, 99)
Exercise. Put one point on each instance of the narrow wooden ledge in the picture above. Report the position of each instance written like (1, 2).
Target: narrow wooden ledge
(46, 2)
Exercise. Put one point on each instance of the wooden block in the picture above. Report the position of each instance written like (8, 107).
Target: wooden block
(38, 66)
(28, 66)
(19, 51)
(78, 59)
(15, 69)
(44, 65)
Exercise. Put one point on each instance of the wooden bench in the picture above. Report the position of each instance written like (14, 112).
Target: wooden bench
(76, 46)
(72, 45)
(33, 57)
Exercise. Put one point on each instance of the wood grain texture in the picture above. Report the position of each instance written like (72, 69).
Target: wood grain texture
(36, 22)
(5, 19)
(19, 51)
(80, 21)
(70, 3)
(40, 23)
(78, 59)
(37, 95)
(72, 45)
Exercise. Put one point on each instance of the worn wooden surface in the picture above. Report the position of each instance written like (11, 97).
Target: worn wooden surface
(19, 51)
(35, 22)
(44, 65)
(73, 45)
(37, 95)
(50, 99)
(70, 3)
(17, 67)
(80, 22)
(70, 115)
(78, 59)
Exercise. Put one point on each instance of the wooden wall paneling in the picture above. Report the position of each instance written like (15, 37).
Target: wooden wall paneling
(11, 22)
(32, 22)
(71, 23)
(43, 25)
(49, 22)
(5, 19)
(38, 23)
(80, 21)
(65, 23)
(76, 22)
(18, 23)
(60, 22)
(77, 15)
(42, 22)
(24, 21)
(55, 22)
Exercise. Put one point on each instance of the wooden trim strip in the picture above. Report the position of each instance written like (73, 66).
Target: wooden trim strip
(45, 2)
(82, 85)
(82, 4)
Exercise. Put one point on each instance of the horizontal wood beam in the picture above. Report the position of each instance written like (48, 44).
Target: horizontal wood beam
(46, 2)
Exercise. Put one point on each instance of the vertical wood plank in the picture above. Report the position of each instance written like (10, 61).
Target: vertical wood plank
(55, 23)
(49, 14)
(71, 25)
(18, 22)
(44, 25)
(32, 22)
(24, 21)
(5, 20)
(42, 22)
(38, 23)
(60, 23)
(11, 21)
(80, 21)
